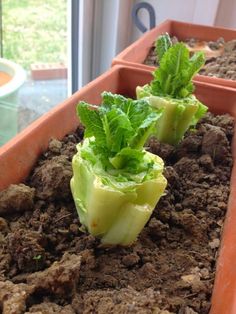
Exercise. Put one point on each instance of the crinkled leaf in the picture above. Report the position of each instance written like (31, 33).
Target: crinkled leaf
(109, 99)
(162, 44)
(137, 111)
(145, 130)
(117, 128)
(119, 124)
(128, 158)
(92, 122)
(176, 70)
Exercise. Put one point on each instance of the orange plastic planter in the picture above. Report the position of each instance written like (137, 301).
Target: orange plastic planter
(135, 54)
(19, 155)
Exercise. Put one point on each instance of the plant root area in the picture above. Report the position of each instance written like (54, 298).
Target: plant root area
(48, 264)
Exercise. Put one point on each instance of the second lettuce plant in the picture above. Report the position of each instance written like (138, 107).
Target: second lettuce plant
(172, 90)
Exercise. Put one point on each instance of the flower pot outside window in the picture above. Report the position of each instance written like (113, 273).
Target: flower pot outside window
(8, 98)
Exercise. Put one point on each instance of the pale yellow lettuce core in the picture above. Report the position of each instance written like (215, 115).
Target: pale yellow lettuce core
(111, 209)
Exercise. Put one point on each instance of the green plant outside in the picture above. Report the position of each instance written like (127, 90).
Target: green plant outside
(34, 31)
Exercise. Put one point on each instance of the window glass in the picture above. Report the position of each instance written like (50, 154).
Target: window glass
(34, 60)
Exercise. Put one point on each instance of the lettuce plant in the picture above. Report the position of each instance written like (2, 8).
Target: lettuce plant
(116, 183)
(172, 88)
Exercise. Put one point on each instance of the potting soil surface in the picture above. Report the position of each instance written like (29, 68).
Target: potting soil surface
(222, 66)
(49, 265)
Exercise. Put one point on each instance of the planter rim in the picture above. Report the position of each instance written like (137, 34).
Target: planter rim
(212, 80)
(123, 53)
(121, 58)
(61, 106)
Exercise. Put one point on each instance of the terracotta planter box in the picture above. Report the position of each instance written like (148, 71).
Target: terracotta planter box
(135, 54)
(19, 155)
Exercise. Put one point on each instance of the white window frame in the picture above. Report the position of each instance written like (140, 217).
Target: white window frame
(97, 37)
(100, 29)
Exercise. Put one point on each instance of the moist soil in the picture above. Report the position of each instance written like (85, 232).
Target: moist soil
(222, 65)
(49, 264)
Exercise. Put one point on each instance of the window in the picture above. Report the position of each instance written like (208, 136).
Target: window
(34, 38)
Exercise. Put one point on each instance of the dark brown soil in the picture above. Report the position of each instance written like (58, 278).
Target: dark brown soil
(48, 265)
(222, 66)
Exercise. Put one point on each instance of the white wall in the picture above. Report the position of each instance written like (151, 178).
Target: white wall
(195, 11)
(226, 15)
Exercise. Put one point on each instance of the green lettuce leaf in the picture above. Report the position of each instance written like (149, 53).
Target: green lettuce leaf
(162, 44)
(92, 122)
(173, 77)
(120, 126)
(171, 90)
